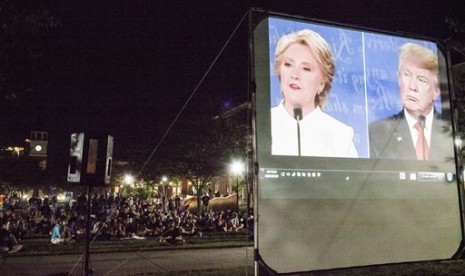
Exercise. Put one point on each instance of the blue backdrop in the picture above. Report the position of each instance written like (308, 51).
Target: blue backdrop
(365, 86)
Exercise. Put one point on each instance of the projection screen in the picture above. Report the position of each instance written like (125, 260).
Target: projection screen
(341, 185)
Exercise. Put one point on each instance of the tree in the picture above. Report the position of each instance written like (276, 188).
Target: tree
(21, 173)
(198, 151)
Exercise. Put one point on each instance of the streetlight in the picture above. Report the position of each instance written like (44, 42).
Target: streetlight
(237, 168)
(129, 181)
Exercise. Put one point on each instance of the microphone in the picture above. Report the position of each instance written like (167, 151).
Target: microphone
(298, 112)
(298, 117)
(421, 121)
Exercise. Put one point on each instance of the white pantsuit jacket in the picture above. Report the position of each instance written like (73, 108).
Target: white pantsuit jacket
(320, 135)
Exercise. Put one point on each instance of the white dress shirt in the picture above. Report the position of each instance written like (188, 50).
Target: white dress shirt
(428, 126)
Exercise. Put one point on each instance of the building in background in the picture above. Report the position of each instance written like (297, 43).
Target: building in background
(38, 145)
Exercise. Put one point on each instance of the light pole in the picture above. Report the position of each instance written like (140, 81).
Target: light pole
(129, 181)
(164, 180)
(237, 168)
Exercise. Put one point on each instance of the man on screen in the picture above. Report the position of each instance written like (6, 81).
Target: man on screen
(415, 132)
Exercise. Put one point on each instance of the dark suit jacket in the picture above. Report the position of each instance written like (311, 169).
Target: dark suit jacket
(390, 139)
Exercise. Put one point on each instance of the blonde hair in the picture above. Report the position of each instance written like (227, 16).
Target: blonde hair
(320, 49)
(425, 57)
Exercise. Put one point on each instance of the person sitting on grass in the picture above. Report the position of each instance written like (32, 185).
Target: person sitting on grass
(222, 222)
(188, 227)
(100, 229)
(8, 242)
(235, 223)
(172, 236)
(61, 233)
(206, 222)
(154, 226)
(44, 226)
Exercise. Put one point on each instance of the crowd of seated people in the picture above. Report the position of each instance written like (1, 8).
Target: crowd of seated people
(9, 232)
(112, 217)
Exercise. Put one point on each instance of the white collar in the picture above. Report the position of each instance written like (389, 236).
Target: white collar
(412, 121)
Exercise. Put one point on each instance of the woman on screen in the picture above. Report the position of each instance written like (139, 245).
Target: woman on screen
(299, 127)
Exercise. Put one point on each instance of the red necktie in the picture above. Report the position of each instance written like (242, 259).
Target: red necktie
(421, 146)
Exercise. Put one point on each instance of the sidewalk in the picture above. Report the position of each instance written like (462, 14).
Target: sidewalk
(156, 262)
(41, 245)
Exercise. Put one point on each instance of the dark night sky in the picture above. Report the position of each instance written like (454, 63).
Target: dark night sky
(127, 67)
